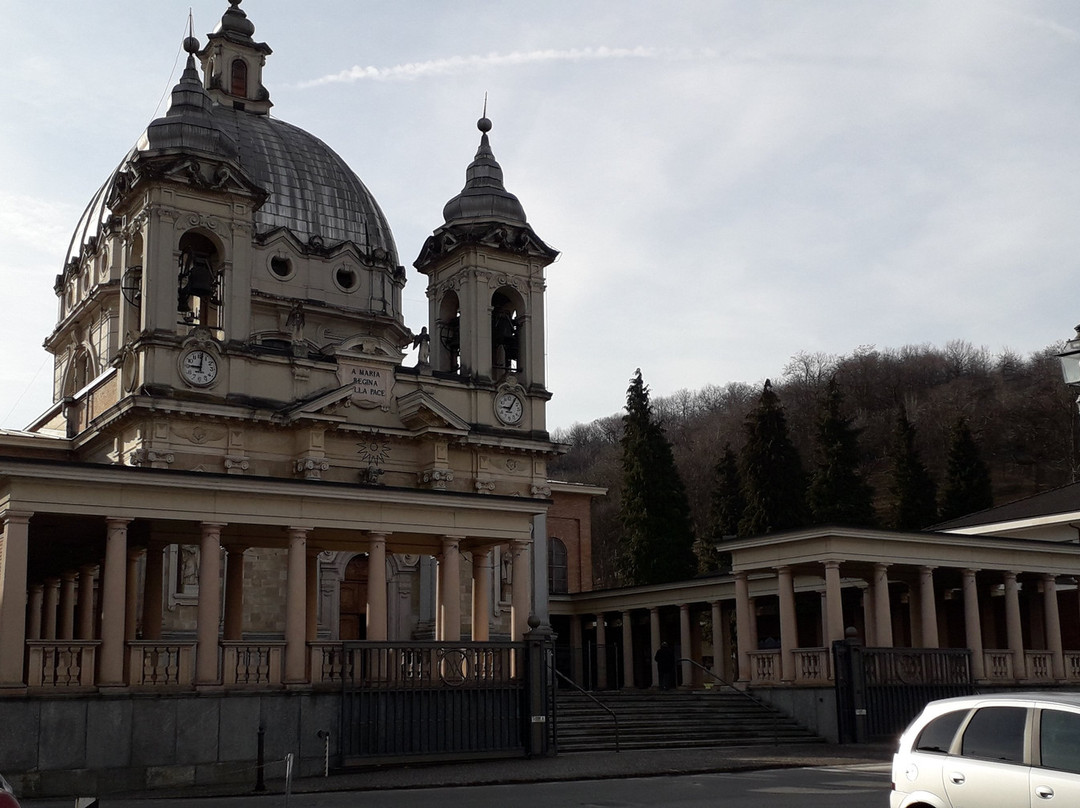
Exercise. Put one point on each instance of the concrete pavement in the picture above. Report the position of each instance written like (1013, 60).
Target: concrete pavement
(568, 766)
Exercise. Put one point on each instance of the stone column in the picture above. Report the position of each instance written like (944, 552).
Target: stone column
(87, 578)
(601, 652)
(296, 607)
(520, 593)
(113, 604)
(577, 649)
(311, 584)
(131, 602)
(14, 549)
(866, 596)
(36, 607)
(882, 607)
(208, 614)
(450, 589)
(234, 593)
(52, 605)
(439, 570)
(928, 608)
(1013, 630)
(973, 624)
(789, 640)
(153, 591)
(1053, 626)
(481, 595)
(743, 630)
(654, 641)
(376, 590)
(685, 644)
(66, 629)
(717, 642)
(627, 650)
(834, 604)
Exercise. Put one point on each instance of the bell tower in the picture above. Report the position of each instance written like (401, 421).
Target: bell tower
(485, 269)
(233, 63)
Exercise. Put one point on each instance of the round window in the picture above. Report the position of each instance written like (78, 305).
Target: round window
(281, 267)
(346, 278)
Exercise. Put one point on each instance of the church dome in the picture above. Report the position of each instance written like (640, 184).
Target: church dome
(310, 190)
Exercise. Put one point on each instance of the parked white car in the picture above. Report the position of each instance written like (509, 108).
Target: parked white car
(1009, 750)
(7, 794)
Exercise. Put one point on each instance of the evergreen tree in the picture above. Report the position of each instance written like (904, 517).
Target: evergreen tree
(967, 477)
(913, 491)
(773, 481)
(658, 543)
(838, 495)
(725, 511)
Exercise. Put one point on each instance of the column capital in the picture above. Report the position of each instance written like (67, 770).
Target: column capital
(16, 517)
(970, 571)
(118, 521)
(927, 568)
(831, 564)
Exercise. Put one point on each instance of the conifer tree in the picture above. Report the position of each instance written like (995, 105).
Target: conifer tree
(967, 477)
(725, 511)
(773, 481)
(913, 491)
(838, 495)
(657, 543)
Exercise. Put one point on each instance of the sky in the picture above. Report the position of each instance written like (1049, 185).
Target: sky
(729, 182)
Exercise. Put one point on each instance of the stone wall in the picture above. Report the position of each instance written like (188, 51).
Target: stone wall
(100, 745)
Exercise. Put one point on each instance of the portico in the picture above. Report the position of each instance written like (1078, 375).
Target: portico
(772, 622)
(115, 526)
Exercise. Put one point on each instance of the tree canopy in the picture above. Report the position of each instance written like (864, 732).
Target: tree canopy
(773, 480)
(914, 503)
(838, 495)
(967, 478)
(657, 543)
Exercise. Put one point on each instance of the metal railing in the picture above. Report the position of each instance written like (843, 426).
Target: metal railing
(746, 694)
(563, 677)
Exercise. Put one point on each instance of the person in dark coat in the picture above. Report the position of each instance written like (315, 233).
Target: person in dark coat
(665, 666)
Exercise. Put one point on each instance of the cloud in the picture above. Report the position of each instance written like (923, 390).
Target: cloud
(463, 64)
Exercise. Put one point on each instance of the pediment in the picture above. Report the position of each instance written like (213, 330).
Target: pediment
(420, 410)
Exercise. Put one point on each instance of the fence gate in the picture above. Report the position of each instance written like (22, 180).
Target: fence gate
(432, 700)
(879, 690)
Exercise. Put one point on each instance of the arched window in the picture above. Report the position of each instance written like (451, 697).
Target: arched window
(558, 574)
(505, 332)
(199, 283)
(239, 79)
(449, 328)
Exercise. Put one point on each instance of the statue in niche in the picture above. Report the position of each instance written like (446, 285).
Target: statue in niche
(422, 342)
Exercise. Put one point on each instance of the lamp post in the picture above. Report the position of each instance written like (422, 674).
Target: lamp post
(1070, 360)
(1070, 370)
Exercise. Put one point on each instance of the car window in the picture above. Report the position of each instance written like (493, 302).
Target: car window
(937, 736)
(996, 733)
(1059, 740)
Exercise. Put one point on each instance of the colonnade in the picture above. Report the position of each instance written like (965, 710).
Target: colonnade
(100, 602)
(1009, 619)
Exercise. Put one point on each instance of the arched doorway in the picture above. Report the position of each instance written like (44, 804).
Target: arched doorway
(352, 621)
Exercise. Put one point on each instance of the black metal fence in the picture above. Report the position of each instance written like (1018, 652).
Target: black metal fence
(879, 690)
(433, 700)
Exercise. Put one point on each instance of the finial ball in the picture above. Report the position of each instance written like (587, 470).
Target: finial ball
(484, 125)
(191, 44)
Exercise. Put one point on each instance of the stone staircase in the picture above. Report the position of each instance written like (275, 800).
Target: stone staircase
(674, 719)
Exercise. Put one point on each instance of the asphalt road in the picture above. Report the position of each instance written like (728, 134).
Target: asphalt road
(852, 786)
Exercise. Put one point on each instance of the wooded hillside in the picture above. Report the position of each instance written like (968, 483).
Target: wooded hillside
(1020, 412)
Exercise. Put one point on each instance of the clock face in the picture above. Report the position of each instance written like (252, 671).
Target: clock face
(509, 408)
(199, 367)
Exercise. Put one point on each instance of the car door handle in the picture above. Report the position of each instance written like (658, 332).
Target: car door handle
(957, 778)
(1044, 792)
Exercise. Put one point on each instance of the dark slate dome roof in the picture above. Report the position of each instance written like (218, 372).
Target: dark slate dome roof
(311, 190)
